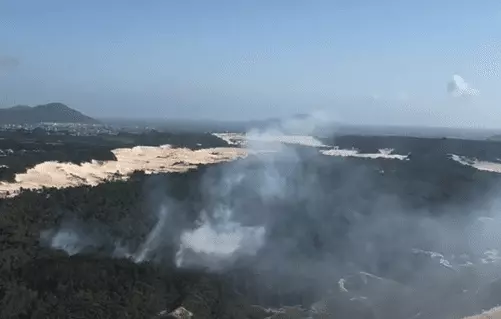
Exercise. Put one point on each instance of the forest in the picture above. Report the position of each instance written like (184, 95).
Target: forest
(324, 212)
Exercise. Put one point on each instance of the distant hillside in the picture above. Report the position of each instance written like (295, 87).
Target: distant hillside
(52, 112)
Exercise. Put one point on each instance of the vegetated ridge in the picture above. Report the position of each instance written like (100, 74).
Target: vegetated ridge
(51, 112)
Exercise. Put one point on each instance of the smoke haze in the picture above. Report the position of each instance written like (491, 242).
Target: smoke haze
(307, 222)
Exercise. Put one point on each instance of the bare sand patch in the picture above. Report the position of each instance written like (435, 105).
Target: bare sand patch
(268, 137)
(383, 153)
(162, 159)
(494, 313)
(480, 165)
(271, 137)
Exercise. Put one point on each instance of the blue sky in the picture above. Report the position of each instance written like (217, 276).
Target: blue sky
(380, 62)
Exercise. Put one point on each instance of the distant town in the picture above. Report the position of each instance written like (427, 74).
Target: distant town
(75, 129)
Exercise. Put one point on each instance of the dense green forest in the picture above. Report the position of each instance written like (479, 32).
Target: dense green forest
(310, 222)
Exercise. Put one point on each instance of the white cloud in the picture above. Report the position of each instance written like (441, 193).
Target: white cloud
(458, 87)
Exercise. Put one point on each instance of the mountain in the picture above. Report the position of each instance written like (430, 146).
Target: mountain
(52, 112)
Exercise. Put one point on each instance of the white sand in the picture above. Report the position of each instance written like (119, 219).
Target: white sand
(143, 158)
(383, 153)
(268, 137)
(480, 165)
(494, 313)
(231, 138)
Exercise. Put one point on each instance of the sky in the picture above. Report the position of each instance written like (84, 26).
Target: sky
(360, 61)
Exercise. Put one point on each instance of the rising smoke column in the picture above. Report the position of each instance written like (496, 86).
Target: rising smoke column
(153, 239)
(229, 230)
(226, 228)
(75, 236)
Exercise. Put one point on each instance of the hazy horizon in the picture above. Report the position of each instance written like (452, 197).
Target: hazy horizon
(365, 63)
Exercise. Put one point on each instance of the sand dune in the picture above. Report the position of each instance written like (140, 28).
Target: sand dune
(494, 313)
(268, 137)
(143, 158)
(480, 165)
(383, 153)
(161, 159)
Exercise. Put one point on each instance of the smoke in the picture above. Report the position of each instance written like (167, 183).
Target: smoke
(231, 224)
(74, 236)
(458, 87)
(218, 242)
(148, 235)
(230, 229)
(321, 225)
(303, 224)
(153, 239)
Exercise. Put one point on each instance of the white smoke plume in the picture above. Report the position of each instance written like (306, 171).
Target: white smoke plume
(458, 87)
(222, 235)
(153, 239)
(74, 237)
(278, 212)
(217, 242)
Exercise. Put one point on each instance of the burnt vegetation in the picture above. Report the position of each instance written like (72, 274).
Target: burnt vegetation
(37, 281)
